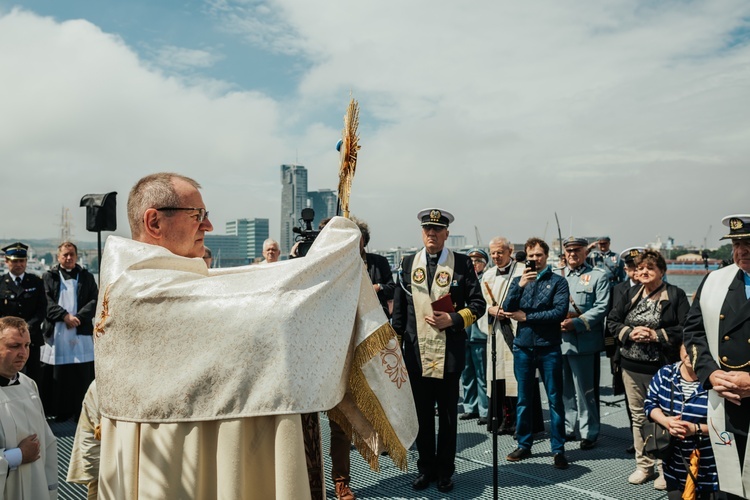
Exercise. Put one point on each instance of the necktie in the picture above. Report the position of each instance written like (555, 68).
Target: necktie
(18, 281)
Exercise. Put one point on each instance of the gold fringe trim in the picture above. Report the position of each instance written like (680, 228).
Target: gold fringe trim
(368, 403)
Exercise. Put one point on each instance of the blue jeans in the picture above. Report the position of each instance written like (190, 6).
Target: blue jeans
(548, 360)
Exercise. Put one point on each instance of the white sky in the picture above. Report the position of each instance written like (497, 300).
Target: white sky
(626, 118)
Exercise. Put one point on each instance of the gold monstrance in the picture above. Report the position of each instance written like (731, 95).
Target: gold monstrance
(348, 152)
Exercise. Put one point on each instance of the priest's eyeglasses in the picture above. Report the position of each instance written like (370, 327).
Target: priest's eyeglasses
(200, 216)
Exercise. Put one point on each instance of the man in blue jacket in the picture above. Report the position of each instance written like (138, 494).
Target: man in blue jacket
(538, 301)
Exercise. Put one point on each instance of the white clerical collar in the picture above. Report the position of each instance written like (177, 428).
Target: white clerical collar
(443, 255)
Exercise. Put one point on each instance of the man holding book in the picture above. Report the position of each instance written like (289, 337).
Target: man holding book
(437, 298)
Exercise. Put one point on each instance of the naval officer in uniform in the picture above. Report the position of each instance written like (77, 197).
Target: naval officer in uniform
(582, 341)
(717, 338)
(22, 295)
(434, 340)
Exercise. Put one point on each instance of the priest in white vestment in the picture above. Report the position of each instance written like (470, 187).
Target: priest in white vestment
(28, 463)
(202, 374)
(502, 391)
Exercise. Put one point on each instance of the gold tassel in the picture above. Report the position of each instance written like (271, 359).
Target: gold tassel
(368, 403)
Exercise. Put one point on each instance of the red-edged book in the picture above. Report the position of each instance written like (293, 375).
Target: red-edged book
(444, 304)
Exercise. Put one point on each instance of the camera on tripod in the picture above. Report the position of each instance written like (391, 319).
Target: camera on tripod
(305, 236)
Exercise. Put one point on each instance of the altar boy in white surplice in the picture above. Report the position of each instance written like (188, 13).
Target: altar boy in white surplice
(28, 458)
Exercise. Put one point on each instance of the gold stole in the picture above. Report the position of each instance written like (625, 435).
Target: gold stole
(731, 478)
(431, 340)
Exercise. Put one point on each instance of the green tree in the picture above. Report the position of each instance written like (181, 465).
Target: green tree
(724, 252)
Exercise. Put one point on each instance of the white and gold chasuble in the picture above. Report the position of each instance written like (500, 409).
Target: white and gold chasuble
(731, 478)
(202, 374)
(431, 340)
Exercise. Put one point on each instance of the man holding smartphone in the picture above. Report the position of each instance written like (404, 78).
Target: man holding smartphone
(538, 301)
(437, 297)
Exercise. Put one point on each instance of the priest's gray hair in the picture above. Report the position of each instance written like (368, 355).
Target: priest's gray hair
(153, 191)
(270, 241)
(503, 242)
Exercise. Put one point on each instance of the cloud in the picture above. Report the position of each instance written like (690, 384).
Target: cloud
(184, 59)
(84, 114)
(626, 118)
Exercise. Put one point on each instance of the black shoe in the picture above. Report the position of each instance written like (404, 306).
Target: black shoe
(482, 421)
(630, 450)
(569, 438)
(469, 416)
(518, 454)
(587, 444)
(444, 485)
(560, 461)
(421, 482)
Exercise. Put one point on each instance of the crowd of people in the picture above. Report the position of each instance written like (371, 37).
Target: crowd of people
(452, 315)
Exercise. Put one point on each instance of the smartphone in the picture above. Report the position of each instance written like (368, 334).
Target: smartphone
(531, 264)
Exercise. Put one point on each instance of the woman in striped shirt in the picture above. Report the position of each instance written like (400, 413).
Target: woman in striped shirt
(686, 422)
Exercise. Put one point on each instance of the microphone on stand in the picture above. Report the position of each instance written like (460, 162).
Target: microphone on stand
(519, 257)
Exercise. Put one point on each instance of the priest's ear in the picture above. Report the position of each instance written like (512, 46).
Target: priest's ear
(153, 225)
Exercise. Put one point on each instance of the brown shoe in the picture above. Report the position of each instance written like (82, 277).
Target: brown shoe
(343, 492)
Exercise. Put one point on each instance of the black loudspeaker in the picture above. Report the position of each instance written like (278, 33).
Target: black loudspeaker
(101, 211)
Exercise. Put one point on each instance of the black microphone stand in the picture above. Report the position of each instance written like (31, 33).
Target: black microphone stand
(493, 353)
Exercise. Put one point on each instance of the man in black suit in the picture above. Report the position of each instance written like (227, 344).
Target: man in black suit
(434, 340)
(717, 338)
(22, 295)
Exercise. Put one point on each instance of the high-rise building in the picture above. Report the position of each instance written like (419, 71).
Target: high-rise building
(293, 199)
(226, 250)
(324, 202)
(251, 234)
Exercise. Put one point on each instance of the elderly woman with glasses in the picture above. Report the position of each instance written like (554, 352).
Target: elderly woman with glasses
(647, 322)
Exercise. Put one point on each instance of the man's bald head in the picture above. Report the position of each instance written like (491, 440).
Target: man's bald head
(153, 191)
(167, 210)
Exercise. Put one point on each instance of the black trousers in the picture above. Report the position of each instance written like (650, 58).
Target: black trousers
(436, 461)
(64, 387)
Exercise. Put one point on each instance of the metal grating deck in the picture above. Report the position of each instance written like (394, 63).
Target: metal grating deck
(600, 473)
